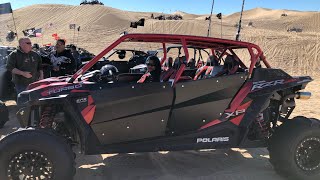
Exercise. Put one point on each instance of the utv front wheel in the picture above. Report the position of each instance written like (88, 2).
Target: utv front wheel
(35, 154)
(295, 149)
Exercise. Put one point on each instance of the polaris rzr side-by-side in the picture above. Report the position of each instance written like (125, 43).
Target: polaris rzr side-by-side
(236, 101)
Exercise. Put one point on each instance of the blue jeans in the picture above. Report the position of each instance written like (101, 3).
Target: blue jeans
(20, 88)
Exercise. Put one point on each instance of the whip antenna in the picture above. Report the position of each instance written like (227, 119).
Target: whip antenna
(209, 28)
(239, 25)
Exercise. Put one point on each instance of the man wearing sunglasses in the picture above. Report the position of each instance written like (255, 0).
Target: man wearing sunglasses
(25, 65)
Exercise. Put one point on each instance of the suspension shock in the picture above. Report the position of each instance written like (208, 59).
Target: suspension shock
(262, 124)
(47, 117)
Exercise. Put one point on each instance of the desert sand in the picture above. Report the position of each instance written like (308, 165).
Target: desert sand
(296, 53)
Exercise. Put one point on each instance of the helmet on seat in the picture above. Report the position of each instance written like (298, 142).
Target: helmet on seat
(109, 72)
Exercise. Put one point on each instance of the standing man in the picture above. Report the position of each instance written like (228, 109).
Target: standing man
(25, 65)
(62, 60)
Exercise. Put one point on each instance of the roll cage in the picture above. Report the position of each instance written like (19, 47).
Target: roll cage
(215, 44)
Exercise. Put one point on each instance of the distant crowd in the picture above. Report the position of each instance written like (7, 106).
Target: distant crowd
(93, 2)
(168, 17)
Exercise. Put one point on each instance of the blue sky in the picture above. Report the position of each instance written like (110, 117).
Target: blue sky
(190, 6)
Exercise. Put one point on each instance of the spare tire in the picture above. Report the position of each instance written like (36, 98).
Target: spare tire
(4, 114)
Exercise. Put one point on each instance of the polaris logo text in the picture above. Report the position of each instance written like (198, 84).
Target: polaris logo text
(212, 140)
(236, 113)
(263, 84)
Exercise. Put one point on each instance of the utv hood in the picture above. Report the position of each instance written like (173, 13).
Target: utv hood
(51, 87)
(48, 81)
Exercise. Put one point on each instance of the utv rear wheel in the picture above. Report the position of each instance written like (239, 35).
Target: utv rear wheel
(295, 149)
(35, 154)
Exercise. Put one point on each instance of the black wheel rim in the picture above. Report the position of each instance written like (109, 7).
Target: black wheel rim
(30, 165)
(308, 154)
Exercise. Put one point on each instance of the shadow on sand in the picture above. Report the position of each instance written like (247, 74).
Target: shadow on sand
(210, 164)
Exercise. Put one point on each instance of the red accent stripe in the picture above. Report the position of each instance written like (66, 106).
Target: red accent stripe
(243, 93)
(77, 90)
(245, 105)
(209, 70)
(237, 120)
(179, 72)
(86, 110)
(90, 100)
(204, 68)
(212, 123)
(291, 80)
(143, 78)
(88, 113)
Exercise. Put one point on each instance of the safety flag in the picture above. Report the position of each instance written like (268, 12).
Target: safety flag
(219, 16)
(55, 36)
(141, 22)
(5, 8)
(32, 32)
(72, 26)
(29, 32)
(38, 34)
(133, 25)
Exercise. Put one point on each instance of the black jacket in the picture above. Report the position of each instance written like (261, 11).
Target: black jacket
(65, 68)
(30, 62)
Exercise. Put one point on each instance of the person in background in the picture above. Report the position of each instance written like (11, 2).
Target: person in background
(154, 70)
(62, 60)
(25, 65)
(36, 47)
(76, 56)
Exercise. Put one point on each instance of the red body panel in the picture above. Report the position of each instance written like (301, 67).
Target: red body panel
(89, 111)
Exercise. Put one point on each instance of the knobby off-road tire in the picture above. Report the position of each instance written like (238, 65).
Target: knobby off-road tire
(295, 149)
(4, 114)
(35, 154)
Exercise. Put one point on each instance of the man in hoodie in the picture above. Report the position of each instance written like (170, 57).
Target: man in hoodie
(25, 65)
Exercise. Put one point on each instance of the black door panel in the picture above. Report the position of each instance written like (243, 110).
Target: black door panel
(136, 127)
(145, 107)
(199, 102)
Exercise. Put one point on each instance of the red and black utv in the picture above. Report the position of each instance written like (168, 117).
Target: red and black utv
(239, 101)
